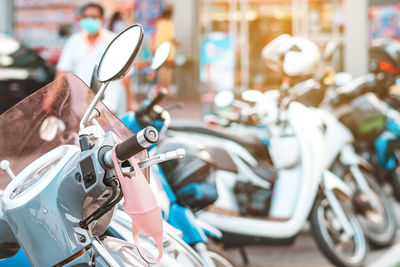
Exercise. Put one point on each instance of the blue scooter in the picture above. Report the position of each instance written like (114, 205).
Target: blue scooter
(191, 196)
(183, 200)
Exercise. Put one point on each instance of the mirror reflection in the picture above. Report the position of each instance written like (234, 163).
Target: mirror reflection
(160, 55)
(8, 45)
(119, 55)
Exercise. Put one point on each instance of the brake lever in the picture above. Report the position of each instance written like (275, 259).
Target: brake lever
(175, 154)
(174, 106)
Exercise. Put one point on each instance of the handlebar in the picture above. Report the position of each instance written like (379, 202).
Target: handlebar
(137, 143)
(163, 92)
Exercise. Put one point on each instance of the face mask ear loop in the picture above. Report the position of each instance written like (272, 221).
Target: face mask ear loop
(141, 205)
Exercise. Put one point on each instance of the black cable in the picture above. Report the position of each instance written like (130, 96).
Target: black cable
(107, 206)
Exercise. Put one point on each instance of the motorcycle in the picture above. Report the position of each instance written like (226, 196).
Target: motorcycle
(245, 187)
(59, 206)
(22, 72)
(371, 204)
(257, 201)
(375, 128)
(225, 212)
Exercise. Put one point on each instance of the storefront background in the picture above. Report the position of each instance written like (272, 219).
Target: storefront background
(44, 25)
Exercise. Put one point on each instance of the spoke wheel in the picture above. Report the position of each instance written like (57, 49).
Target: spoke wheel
(377, 219)
(338, 247)
(219, 256)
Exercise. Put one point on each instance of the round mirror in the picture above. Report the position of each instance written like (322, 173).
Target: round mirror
(224, 98)
(251, 95)
(160, 55)
(120, 53)
(8, 45)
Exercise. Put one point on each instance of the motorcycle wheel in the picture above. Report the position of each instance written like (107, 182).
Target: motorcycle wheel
(331, 239)
(219, 256)
(379, 223)
(395, 179)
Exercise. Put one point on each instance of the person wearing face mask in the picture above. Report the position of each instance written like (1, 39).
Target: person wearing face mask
(83, 51)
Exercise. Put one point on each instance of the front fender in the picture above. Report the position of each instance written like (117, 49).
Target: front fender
(333, 183)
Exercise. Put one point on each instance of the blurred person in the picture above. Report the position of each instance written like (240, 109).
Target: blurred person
(165, 33)
(117, 24)
(84, 50)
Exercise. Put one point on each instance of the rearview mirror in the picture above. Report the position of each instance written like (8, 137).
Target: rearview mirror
(224, 98)
(115, 63)
(160, 55)
(8, 45)
(251, 95)
(120, 54)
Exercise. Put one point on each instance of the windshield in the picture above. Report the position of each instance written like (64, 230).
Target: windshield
(29, 129)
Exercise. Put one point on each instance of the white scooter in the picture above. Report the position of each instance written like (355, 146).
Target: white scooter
(302, 189)
(372, 206)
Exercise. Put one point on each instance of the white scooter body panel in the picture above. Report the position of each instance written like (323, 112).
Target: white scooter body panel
(312, 149)
(349, 156)
(336, 135)
(284, 152)
(225, 182)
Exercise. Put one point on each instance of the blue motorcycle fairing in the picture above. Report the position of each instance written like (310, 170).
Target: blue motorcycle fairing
(164, 183)
(183, 219)
(393, 127)
(198, 195)
(381, 148)
(130, 121)
(381, 144)
(266, 142)
(158, 124)
(178, 216)
(18, 259)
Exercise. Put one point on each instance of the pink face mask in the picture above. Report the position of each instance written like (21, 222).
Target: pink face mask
(142, 206)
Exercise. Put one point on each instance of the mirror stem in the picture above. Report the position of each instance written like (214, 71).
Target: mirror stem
(92, 106)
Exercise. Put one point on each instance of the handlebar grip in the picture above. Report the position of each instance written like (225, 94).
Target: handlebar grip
(163, 92)
(137, 143)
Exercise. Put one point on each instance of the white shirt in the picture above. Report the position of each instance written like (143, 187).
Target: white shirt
(119, 26)
(79, 58)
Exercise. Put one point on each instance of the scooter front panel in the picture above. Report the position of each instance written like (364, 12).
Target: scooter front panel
(34, 178)
(36, 216)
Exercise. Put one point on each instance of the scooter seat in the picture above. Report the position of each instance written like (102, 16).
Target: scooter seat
(249, 141)
(268, 173)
